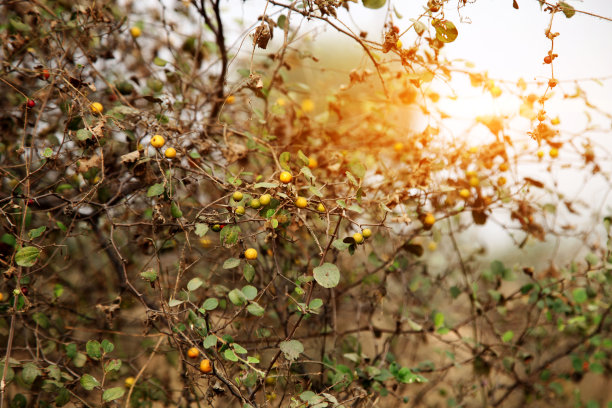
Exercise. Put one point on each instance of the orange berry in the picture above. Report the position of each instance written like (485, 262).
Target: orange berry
(464, 193)
(301, 202)
(312, 163)
(158, 141)
(193, 352)
(429, 219)
(170, 153)
(285, 177)
(553, 152)
(205, 366)
(250, 254)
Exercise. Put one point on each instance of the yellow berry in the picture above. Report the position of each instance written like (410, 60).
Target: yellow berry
(503, 166)
(358, 237)
(321, 208)
(170, 153)
(265, 199)
(240, 210)
(250, 254)
(473, 150)
(555, 121)
(205, 242)
(540, 154)
(193, 352)
(129, 382)
(205, 366)
(474, 181)
(285, 177)
(429, 219)
(301, 202)
(96, 107)
(496, 92)
(464, 193)
(398, 147)
(237, 196)
(367, 233)
(312, 163)
(255, 203)
(501, 181)
(470, 173)
(553, 152)
(158, 141)
(230, 99)
(399, 44)
(136, 32)
(308, 105)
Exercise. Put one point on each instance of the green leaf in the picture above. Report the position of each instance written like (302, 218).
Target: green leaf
(236, 297)
(61, 226)
(281, 21)
(580, 295)
(230, 355)
(58, 290)
(107, 346)
(266, 185)
(94, 349)
(306, 172)
(83, 134)
(149, 275)
(327, 275)
(89, 382)
(48, 152)
(292, 349)
(27, 256)
(438, 320)
(315, 304)
(340, 245)
(445, 30)
(374, 4)
(357, 169)
(79, 360)
(255, 309)
(231, 263)
(155, 190)
(37, 232)
(303, 157)
(112, 365)
(8, 239)
(30, 372)
(239, 349)
(175, 210)
(41, 319)
(507, 336)
(252, 360)
(250, 292)
(419, 27)
(210, 341)
(63, 397)
(175, 302)
(229, 235)
(284, 160)
(19, 26)
(113, 393)
(194, 284)
(249, 272)
(201, 229)
(567, 9)
(160, 62)
(210, 304)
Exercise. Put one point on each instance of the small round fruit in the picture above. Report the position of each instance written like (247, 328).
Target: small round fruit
(308, 105)
(301, 202)
(1, 296)
(312, 163)
(547, 59)
(216, 228)
(237, 196)
(158, 141)
(205, 366)
(265, 199)
(255, 203)
(193, 352)
(129, 382)
(553, 152)
(240, 210)
(230, 99)
(31, 103)
(503, 166)
(170, 153)
(250, 254)
(96, 107)
(398, 147)
(45, 73)
(321, 208)
(552, 83)
(367, 233)
(464, 193)
(540, 154)
(285, 177)
(136, 32)
(429, 219)
(358, 237)
(399, 44)
(205, 242)
(555, 121)
(501, 181)
(474, 181)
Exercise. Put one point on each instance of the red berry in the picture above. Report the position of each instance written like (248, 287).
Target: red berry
(547, 59)
(24, 290)
(396, 29)
(552, 83)
(45, 73)
(31, 103)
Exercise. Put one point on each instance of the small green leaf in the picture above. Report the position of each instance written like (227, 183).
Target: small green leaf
(250, 292)
(194, 284)
(249, 272)
(107, 346)
(303, 157)
(30, 372)
(236, 297)
(112, 365)
(231, 263)
(79, 360)
(327, 275)
(239, 349)
(37, 232)
(255, 309)
(438, 320)
(48, 152)
(266, 185)
(230, 355)
(160, 62)
(507, 336)
(27, 256)
(175, 210)
(445, 30)
(291, 349)
(567, 9)
(175, 302)
(340, 245)
(149, 275)
(41, 319)
(155, 190)
(83, 134)
(229, 235)
(210, 341)
(374, 4)
(89, 382)
(113, 393)
(315, 304)
(201, 229)
(94, 349)
(210, 304)
(252, 360)
(580, 295)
